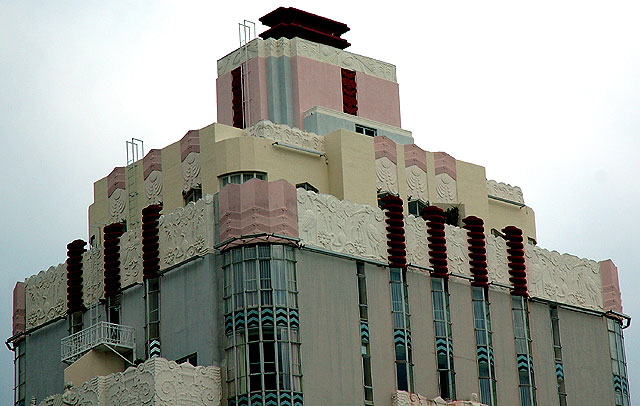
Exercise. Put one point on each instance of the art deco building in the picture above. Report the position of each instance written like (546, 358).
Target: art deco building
(304, 250)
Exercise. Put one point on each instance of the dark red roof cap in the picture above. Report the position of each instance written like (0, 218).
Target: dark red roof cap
(290, 22)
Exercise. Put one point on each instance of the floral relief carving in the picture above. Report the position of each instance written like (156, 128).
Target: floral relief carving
(187, 232)
(191, 171)
(564, 278)
(416, 237)
(417, 183)
(505, 191)
(308, 49)
(93, 276)
(153, 187)
(162, 382)
(285, 134)
(446, 188)
(457, 250)
(46, 295)
(402, 398)
(386, 175)
(131, 257)
(154, 382)
(497, 259)
(335, 56)
(117, 204)
(341, 226)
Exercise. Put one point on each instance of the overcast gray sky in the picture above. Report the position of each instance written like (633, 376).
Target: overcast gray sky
(545, 95)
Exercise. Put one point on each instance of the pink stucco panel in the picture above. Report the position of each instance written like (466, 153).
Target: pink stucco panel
(115, 180)
(318, 84)
(378, 99)
(612, 298)
(257, 76)
(415, 156)
(385, 147)
(152, 162)
(224, 99)
(256, 207)
(257, 90)
(445, 163)
(19, 308)
(189, 143)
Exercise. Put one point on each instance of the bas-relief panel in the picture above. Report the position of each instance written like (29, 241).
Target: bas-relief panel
(154, 382)
(497, 259)
(505, 191)
(417, 184)
(446, 189)
(117, 204)
(131, 257)
(386, 176)
(402, 398)
(312, 50)
(285, 134)
(191, 172)
(564, 278)
(93, 276)
(337, 225)
(457, 250)
(153, 187)
(187, 232)
(46, 295)
(416, 237)
(335, 56)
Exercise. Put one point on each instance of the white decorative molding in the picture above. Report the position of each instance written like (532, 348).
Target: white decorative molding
(446, 189)
(386, 175)
(300, 47)
(93, 276)
(416, 238)
(337, 225)
(46, 295)
(154, 382)
(564, 278)
(153, 187)
(457, 250)
(285, 134)
(117, 204)
(131, 257)
(191, 171)
(417, 183)
(187, 232)
(497, 259)
(505, 191)
(402, 398)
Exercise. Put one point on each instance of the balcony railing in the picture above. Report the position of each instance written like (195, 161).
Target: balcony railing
(115, 336)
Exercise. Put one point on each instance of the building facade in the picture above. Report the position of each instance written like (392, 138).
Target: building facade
(304, 250)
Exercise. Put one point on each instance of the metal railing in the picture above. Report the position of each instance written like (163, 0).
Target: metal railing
(113, 335)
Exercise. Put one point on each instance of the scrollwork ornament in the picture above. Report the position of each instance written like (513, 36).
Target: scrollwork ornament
(153, 187)
(446, 189)
(386, 175)
(191, 171)
(117, 204)
(417, 183)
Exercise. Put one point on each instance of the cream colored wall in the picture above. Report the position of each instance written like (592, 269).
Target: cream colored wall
(352, 170)
(472, 189)
(349, 172)
(93, 363)
(99, 209)
(502, 214)
(171, 178)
